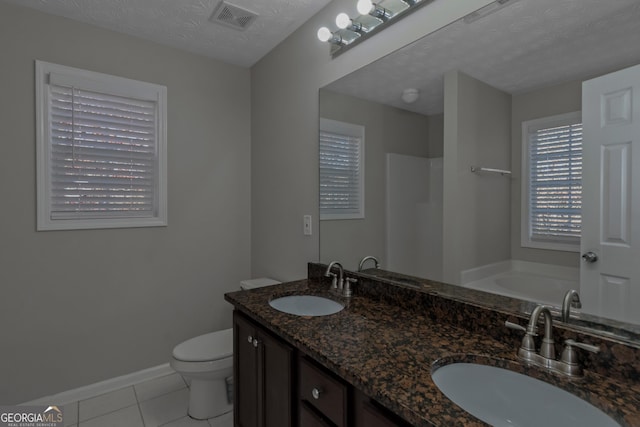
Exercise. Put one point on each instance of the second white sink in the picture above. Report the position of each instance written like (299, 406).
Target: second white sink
(306, 305)
(504, 398)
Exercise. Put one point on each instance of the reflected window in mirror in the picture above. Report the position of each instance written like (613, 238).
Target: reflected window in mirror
(552, 182)
(341, 170)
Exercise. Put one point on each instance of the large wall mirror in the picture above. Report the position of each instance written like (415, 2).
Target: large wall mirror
(457, 182)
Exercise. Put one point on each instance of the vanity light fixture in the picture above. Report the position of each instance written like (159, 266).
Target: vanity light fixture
(367, 7)
(345, 23)
(325, 35)
(372, 18)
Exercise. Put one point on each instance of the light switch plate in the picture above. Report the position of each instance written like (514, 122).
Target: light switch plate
(307, 225)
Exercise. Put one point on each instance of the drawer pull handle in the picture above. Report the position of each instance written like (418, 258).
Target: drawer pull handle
(255, 343)
(249, 339)
(316, 392)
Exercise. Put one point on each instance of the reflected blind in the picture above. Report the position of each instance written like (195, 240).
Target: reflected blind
(340, 186)
(555, 183)
(103, 155)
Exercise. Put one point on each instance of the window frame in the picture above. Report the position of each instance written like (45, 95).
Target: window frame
(525, 227)
(104, 84)
(356, 131)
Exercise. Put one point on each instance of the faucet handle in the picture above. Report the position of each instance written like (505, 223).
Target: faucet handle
(515, 326)
(583, 346)
(334, 280)
(348, 290)
(569, 353)
(528, 344)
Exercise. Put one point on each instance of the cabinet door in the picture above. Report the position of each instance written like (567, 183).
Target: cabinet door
(276, 364)
(245, 372)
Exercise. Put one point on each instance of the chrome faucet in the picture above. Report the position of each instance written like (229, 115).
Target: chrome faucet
(547, 348)
(339, 282)
(365, 259)
(571, 299)
(546, 358)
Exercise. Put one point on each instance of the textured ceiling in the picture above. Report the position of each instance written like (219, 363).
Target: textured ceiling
(528, 45)
(185, 23)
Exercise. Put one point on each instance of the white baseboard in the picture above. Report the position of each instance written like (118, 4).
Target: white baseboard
(102, 387)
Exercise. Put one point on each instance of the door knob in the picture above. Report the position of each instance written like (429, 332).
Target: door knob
(589, 257)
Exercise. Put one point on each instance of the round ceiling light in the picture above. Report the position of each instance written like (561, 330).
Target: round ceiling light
(410, 95)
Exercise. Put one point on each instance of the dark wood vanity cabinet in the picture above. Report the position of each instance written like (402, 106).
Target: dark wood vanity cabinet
(326, 400)
(263, 368)
(278, 386)
(322, 396)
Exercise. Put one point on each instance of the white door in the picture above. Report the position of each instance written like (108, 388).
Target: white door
(610, 285)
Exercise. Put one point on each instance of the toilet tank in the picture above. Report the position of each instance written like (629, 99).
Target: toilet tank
(257, 283)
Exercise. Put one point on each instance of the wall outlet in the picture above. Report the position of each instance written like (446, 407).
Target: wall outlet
(307, 225)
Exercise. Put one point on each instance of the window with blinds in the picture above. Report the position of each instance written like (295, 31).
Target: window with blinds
(102, 150)
(341, 170)
(553, 165)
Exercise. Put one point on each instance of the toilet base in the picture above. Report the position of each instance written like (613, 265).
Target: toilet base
(208, 399)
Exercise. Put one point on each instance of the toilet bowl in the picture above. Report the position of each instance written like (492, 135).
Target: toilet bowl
(207, 361)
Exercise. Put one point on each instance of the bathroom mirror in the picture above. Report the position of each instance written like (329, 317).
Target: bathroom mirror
(426, 214)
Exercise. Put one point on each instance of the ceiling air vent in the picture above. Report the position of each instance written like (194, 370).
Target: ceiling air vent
(233, 16)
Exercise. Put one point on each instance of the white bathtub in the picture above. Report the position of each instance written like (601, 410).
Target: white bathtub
(542, 283)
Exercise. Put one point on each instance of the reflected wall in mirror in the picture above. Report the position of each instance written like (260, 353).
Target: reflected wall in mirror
(481, 81)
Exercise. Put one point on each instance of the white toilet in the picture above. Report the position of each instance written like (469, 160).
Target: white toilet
(207, 361)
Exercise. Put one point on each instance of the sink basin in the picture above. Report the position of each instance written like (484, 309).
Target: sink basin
(306, 305)
(504, 398)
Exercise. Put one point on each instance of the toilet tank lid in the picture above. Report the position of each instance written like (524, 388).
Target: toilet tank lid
(257, 283)
(207, 347)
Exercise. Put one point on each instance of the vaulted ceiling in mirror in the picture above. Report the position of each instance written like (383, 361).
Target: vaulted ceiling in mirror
(525, 46)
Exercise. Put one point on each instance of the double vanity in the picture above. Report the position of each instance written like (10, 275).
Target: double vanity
(410, 352)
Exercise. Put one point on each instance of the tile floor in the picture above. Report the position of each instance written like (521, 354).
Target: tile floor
(159, 402)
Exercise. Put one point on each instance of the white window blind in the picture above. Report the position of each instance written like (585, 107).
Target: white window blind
(555, 181)
(341, 170)
(103, 155)
(102, 152)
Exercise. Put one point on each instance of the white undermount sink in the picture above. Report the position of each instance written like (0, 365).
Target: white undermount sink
(504, 398)
(306, 305)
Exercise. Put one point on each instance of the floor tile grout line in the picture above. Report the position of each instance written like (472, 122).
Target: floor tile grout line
(160, 395)
(106, 413)
(144, 423)
(138, 403)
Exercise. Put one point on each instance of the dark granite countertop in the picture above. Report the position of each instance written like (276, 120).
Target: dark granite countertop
(389, 351)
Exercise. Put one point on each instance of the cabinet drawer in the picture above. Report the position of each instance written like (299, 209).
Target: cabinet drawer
(309, 419)
(327, 394)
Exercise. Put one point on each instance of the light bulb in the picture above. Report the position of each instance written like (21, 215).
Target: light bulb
(343, 20)
(364, 7)
(324, 34)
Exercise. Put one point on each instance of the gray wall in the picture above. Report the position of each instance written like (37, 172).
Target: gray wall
(545, 102)
(436, 135)
(477, 132)
(387, 130)
(284, 126)
(78, 307)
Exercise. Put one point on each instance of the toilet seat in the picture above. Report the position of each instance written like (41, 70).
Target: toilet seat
(204, 348)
